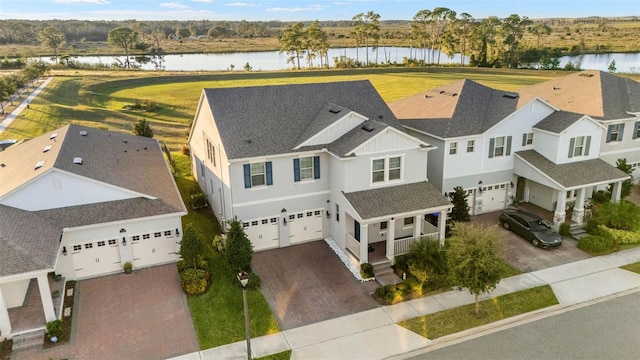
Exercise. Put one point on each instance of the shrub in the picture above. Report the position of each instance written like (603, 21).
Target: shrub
(366, 270)
(401, 265)
(239, 250)
(565, 229)
(193, 281)
(623, 215)
(601, 196)
(620, 236)
(142, 128)
(128, 267)
(388, 294)
(596, 244)
(185, 150)
(426, 259)
(54, 328)
(219, 242)
(592, 226)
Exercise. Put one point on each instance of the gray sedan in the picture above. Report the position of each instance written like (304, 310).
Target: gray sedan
(531, 227)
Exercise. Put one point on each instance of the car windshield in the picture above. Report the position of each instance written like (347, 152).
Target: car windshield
(539, 225)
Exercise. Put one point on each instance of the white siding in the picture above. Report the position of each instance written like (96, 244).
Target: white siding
(580, 128)
(335, 130)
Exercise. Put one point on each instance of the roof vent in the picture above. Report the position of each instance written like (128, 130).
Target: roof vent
(2, 165)
(53, 136)
(84, 133)
(46, 148)
(39, 164)
(586, 75)
(248, 141)
(77, 160)
(427, 96)
(510, 96)
(334, 111)
(556, 88)
(125, 141)
(454, 94)
(367, 127)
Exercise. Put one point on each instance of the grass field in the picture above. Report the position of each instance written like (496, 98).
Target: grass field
(100, 99)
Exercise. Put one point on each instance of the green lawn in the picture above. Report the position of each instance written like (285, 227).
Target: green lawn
(635, 267)
(457, 319)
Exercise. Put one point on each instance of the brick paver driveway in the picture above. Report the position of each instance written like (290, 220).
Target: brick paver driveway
(144, 315)
(307, 283)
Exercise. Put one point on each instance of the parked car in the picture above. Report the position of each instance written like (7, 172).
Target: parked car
(531, 227)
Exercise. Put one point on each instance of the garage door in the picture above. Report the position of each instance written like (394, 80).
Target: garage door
(263, 233)
(493, 197)
(305, 226)
(154, 248)
(96, 258)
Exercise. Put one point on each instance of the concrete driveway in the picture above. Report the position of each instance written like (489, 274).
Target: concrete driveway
(520, 254)
(307, 283)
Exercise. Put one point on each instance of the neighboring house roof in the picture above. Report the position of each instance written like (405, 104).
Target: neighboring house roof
(457, 109)
(28, 242)
(394, 200)
(598, 94)
(271, 120)
(558, 121)
(573, 174)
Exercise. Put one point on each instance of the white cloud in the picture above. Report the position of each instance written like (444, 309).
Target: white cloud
(203, 1)
(296, 9)
(82, 2)
(173, 6)
(242, 4)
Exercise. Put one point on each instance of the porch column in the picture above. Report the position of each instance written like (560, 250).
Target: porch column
(391, 238)
(417, 227)
(45, 296)
(442, 225)
(5, 322)
(617, 189)
(364, 243)
(578, 208)
(560, 213)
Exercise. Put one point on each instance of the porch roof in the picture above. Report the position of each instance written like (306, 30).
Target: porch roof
(395, 200)
(567, 176)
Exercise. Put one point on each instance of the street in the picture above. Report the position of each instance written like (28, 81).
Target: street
(606, 330)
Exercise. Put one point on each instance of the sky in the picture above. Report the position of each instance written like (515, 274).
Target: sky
(302, 10)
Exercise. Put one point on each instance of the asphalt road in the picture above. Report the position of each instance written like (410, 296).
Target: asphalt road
(605, 330)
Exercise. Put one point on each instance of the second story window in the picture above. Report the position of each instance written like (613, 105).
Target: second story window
(579, 146)
(394, 168)
(257, 174)
(306, 168)
(527, 139)
(453, 148)
(615, 132)
(386, 169)
(378, 170)
(500, 146)
(471, 146)
(636, 130)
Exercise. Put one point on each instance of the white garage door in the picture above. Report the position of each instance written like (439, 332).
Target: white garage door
(305, 226)
(154, 248)
(493, 197)
(96, 258)
(263, 233)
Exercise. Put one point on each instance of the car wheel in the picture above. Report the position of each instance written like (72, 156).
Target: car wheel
(535, 242)
(505, 225)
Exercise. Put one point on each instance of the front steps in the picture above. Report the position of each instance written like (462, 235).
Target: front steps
(577, 231)
(28, 340)
(384, 274)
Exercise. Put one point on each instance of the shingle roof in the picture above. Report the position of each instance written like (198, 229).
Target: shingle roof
(460, 108)
(270, 120)
(595, 93)
(393, 200)
(573, 174)
(558, 121)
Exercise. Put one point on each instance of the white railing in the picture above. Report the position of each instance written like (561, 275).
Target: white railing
(353, 245)
(402, 246)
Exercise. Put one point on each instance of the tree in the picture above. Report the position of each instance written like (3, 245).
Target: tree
(142, 128)
(612, 66)
(458, 198)
(463, 26)
(183, 33)
(627, 185)
(239, 250)
(367, 28)
(52, 37)
(442, 17)
(316, 43)
(124, 38)
(191, 247)
(293, 41)
(512, 30)
(484, 38)
(539, 30)
(420, 30)
(473, 259)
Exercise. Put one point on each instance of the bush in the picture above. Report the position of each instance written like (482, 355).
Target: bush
(219, 242)
(193, 281)
(388, 294)
(239, 250)
(426, 259)
(127, 267)
(54, 328)
(601, 196)
(596, 244)
(401, 264)
(565, 229)
(591, 227)
(142, 128)
(366, 270)
(623, 215)
(185, 150)
(620, 236)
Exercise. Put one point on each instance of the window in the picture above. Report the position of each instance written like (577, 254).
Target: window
(309, 213)
(77, 247)
(408, 221)
(615, 132)
(273, 220)
(500, 146)
(636, 130)
(146, 236)
(254, 223)
(135, 238)
(211, 151)
(112, 242)
(306, 168)
(88, 245)
(316, 213)
(301, 215)
(257, 174)
(453, 148)
(337, 212)
(167, 233)
(527, 139)
(245, 224)
(292, 217)
(471, 145)
(157, 234)
(579, 146)
(383, 225)
(101, 243)
(394, 172)
(265, 221)
(378, 170)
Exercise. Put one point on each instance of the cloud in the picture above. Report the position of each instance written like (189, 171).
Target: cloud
(296, 9)
(82, 2)
(242, 4)
(203, 1)
(173, 5)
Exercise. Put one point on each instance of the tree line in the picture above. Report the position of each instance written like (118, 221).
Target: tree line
(13, 82)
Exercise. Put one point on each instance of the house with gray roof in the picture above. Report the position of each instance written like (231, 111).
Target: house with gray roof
(502, 148)
(80, 202)
(299, 163)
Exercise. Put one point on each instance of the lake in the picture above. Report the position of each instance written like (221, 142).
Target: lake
(274, 60)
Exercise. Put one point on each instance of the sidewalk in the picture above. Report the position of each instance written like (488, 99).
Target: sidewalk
(14, 114)
(374, 334)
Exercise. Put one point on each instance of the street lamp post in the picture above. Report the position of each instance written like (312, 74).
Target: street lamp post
(243, 277)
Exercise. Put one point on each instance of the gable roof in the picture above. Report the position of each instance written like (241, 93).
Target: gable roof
(569, 175)
(329, 114)
(460, 108)
(558, 121)
(271, 120)
(601, 95)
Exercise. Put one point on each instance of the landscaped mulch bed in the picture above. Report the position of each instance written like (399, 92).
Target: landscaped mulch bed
(66, 320)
